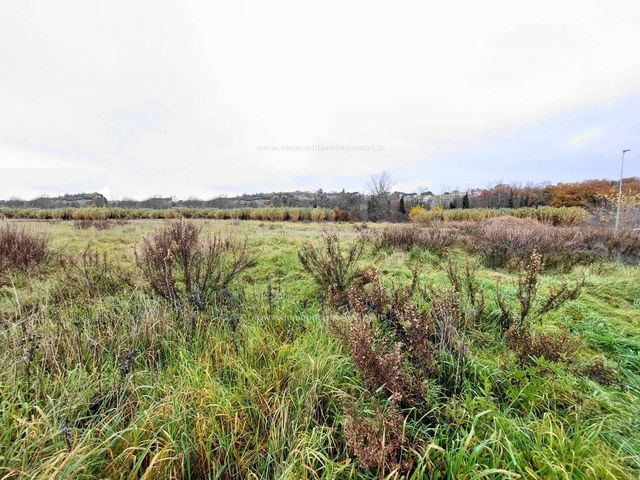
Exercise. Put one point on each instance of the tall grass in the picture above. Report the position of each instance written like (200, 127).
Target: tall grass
(272, 214)
(102, 378)
(552, 215)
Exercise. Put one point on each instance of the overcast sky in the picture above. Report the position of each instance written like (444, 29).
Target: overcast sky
(136, 98)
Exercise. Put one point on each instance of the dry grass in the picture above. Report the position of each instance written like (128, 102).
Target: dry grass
(21, 249)
(436, 239)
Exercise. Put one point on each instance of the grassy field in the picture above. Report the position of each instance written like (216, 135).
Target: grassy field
(100, 377)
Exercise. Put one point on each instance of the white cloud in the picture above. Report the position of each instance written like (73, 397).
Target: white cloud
(586, 137)
(173, 98)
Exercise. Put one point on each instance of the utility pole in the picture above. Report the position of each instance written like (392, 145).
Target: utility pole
(620, 191)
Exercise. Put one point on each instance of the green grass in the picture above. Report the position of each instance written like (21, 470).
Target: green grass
(268, 400)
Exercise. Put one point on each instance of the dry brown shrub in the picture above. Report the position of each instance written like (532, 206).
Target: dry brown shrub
(529, 345)
(507, 241)
(396, 312)
(21, 249)
(606, 244)
(600, 372)
(379, 442)
(436, 238)
(381, 363)
(430, 340)
(183, 270)
(342, 215)
(98, 224)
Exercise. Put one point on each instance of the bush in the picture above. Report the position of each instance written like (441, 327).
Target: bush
(431, 341)
(506, 242)
(465, 285)
(606, 244)
(98, 224)
(406, 237)
(333, 271)
(529, 346)
(318, 215)
(183, 270)
(294, 214)
(272, 214)
(528, 307)
(418, 214)
(379, 442)
(21, 249)
(341, 215)
(380, 363)
(600, 372)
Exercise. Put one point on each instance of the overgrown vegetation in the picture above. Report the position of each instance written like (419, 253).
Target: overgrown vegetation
(21, 249)
(333, 270)
(528, 306)
(170, 349)
(553, 215)
(185, 271)
(505, 242)
(406, 237)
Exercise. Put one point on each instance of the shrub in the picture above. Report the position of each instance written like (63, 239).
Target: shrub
(98, 224)
(333, 271)
(600, 372)
(418, 214)
(247, 213)
(318, 215)
(21, 249)
(342, 215)
(450, 344)
(529, 345)
(294, 214)
(431, 341)
(183, 270)
(397, 313)
(407, 236)
(506, 242)
(465, 285)
(528, 307)
(379, 442)
(606, 244)
(380, 363)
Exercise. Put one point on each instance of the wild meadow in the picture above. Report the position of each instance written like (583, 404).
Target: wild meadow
(453, 348)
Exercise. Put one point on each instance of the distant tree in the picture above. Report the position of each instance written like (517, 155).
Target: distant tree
(380, 189)
(402, 208)
(453, 203)
(380, 185)
(465, 200)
